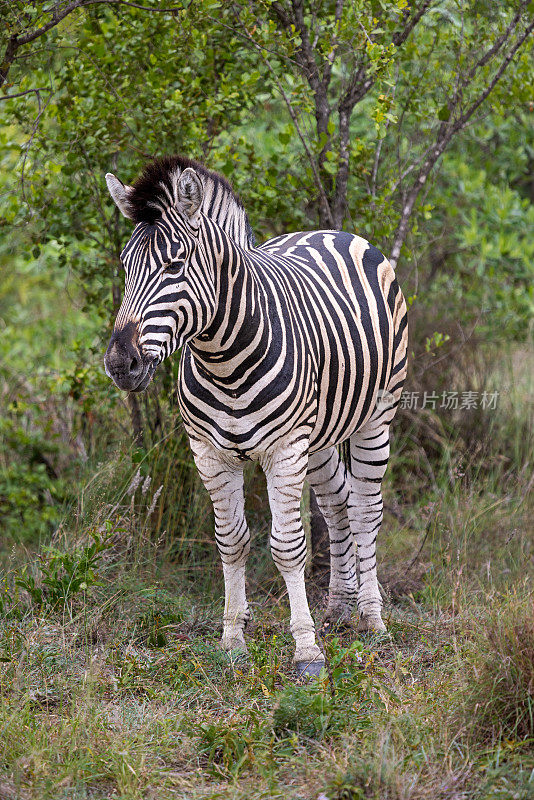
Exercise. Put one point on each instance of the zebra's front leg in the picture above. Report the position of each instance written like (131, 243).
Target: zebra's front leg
(369, 451)
(222, 476)
(327, 475)
(285, 470)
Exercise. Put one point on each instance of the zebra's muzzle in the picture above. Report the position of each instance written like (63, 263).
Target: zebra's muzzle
(150, 369)
(125, 363)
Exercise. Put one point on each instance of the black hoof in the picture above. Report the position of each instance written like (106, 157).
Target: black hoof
(308, 669)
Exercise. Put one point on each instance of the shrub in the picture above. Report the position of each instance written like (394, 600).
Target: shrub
(348, 696)
(304, 710)
(226, 748)
(63, 575)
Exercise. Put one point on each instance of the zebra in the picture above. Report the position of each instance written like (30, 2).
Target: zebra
(293, 355)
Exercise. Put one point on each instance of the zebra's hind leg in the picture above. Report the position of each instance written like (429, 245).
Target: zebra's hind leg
(327, 475)
(369, 453)
(222, 476)
(285, 470)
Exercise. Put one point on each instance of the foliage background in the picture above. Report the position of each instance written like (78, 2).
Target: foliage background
(318, 113)
(112, 85)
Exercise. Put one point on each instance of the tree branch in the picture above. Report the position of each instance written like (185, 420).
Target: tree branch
(446, 132)
(319, 83)
(9, 56)
(400, 37)
(464, 118)
(339, 199)
(21, 94)
(326, 212)
(488, 55)
(361, 82)
(376, 161)
(58, 15)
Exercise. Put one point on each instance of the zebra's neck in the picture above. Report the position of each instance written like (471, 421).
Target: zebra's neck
(239, 335)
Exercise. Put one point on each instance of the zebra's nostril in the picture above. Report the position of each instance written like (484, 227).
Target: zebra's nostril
(134, 364)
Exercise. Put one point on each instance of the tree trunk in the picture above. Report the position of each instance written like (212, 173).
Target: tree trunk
(136, 419)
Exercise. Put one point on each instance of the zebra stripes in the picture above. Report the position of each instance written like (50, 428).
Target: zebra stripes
(289, 350)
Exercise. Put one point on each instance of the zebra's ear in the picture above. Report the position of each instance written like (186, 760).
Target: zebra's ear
(120, 194)
(190, 193)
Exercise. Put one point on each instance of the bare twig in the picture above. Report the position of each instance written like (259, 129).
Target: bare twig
(21, 94)
(294, 118)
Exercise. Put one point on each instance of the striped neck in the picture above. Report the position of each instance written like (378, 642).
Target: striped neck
(239, 335)
(221, 206)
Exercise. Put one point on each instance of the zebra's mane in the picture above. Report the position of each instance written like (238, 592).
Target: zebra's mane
(154, 191)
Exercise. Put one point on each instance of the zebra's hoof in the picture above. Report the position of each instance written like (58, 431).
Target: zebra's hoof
(308, 670)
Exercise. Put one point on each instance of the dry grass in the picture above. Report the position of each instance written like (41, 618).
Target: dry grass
(499, 679)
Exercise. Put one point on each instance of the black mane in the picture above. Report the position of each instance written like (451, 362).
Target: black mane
(148, 192)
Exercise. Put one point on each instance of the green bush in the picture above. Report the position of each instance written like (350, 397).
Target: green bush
(63, 575)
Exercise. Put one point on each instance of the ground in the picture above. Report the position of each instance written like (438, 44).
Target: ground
(124, 692)
(112, 683)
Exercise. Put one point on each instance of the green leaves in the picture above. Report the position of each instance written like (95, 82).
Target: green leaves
(63, 575)
(123, 84)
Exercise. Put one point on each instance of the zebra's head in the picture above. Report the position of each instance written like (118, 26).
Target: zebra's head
(169, 295)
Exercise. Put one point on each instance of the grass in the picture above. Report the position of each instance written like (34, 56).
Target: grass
(123, 691)
(499, 690)
(112, 683)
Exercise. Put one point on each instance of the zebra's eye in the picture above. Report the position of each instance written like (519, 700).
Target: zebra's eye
(175, 268)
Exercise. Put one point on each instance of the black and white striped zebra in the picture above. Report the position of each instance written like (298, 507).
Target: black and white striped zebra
(289, 350)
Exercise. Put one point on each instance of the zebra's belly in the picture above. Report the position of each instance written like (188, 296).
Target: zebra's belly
(245, 437)
(347, 391)
(335, 424)
(249, 437)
